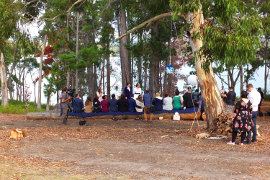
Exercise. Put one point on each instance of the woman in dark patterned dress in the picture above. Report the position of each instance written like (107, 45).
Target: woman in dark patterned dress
(242, 118)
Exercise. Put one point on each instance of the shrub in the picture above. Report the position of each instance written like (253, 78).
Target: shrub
(19, 107)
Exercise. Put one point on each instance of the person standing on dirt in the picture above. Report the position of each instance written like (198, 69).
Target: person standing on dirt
(255, 98)
(65, 103)
(147, 99)
(241, 118)
(230, 98)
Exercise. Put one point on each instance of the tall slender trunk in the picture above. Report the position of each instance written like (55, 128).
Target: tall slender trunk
(94, 80)
(48, 103)
(12, 67)
(77, 51)
(103, 77)
(68, 70)
(23, 85)
(241, 79)
(207, 82)
(108, 73)
(139, 63)
(145, 78)
(266, 74)
(40, 73)
(125, 64)
(68, 79)
(4, 81)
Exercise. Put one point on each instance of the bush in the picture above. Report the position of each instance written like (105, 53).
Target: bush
(19, 107)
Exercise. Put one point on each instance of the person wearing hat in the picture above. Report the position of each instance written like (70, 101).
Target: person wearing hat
(158, 102)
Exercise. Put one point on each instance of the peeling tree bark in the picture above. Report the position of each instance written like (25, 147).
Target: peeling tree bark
(207, 82)
(4, 81)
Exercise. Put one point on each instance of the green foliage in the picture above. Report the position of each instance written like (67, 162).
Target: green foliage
(19, 107)
(231, 35)
(68, 59)
(90, 55)
(9, 17)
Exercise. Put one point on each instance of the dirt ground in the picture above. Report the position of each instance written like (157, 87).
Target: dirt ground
(127, 149)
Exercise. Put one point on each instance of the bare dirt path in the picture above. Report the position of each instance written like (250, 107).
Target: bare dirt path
(126, 149)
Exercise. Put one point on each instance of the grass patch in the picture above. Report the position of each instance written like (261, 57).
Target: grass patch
(19, 107)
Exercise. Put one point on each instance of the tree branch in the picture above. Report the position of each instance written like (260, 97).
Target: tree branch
(150, 21)
(77, 2)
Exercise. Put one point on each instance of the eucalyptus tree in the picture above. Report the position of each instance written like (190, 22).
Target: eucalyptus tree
(264, 52)
(225, 32)
(8, 20)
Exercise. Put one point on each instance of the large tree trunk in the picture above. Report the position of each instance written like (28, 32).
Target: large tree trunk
(207, 82)
(154, 65)
(4, 81)
(40, 73)
(125, 64)
(77, 51)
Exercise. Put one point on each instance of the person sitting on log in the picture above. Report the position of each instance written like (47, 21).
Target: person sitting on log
(77, 104)
(96, 105)
(242, 118)
(88, 105)
(167, 103)
(177, 101)
(158, 102)
(139, 103)
(113, 107)
(188, 99)
(122, 104)
(132, 104)
(104, 104)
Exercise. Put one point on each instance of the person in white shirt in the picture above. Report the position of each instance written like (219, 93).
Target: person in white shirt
(139, 102)
(137, 90)
(99, 94)
(255, 98)
(167, 103)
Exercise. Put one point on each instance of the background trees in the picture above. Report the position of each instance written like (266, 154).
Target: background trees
(224, 34)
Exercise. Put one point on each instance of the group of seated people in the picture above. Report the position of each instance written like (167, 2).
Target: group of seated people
(139, 103)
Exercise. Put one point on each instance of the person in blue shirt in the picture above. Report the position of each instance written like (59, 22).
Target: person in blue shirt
(132, 104)
(147, 99)
(77, 104)
(113, 104)
(158, 102)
